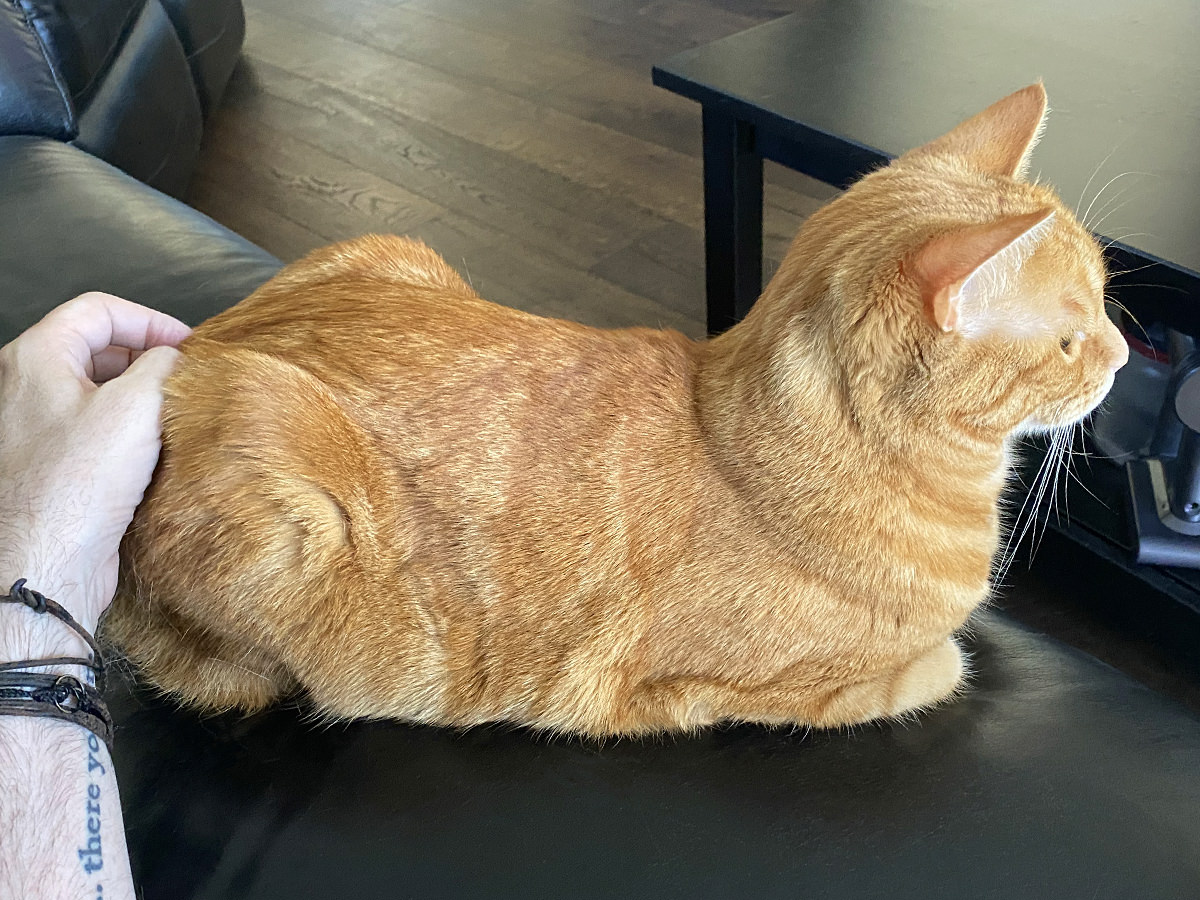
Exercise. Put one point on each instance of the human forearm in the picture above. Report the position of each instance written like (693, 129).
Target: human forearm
(62, 834)
(80, 394)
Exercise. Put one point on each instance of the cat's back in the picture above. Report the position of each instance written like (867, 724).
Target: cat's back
(385, 319)
(379, 342)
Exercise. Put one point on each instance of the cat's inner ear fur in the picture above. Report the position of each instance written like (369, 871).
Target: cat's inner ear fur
(1000, 139)
(961, 274)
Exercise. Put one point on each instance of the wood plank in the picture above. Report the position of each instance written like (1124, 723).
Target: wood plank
(494, 189)
(541, 285)
(666, 265)
(212, 191)
(593, 155)
(514, 64)
(306, 184)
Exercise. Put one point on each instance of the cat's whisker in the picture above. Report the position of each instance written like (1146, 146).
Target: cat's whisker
(1152, 284)
(1068, 456)
(1114, 204)
(1091, 433)
(1092, 177)
(1120, 238)
(1125, 309)
(1130, 234)
(1061, 465)
(1120, 272)
(1021, 523)
(1052, 490)
(233, 665)
(1045, 479)
(1090, 492)
(1057, 444)
(1100, 193)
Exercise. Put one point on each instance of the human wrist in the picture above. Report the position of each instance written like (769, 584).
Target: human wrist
(54, 576)
(29, 638)
(26, 636)
(43, 675)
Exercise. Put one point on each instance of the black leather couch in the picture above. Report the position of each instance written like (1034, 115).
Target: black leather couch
(129, 81)
(1054, 777)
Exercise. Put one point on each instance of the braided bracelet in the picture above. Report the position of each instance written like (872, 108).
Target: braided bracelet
(57, 696)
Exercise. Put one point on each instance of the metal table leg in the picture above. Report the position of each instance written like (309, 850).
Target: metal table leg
(733, 186)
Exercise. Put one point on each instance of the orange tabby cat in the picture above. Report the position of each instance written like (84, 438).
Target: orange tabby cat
(415, 504)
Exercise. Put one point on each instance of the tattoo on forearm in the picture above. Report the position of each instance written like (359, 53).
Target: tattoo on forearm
(91, 854)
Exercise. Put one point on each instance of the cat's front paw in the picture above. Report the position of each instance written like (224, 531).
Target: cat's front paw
(929, 679)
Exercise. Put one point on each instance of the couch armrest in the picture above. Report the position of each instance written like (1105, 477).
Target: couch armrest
(71, 223)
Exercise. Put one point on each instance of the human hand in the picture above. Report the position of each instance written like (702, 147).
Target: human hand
(80, 396)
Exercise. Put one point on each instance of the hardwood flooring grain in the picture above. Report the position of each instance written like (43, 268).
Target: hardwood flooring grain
(522, 139)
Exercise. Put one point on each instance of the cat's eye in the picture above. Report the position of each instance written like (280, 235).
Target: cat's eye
(1070, 344)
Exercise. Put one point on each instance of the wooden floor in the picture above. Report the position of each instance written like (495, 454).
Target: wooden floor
(520, 138)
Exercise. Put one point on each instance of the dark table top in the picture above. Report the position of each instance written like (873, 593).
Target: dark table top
(1123, 81)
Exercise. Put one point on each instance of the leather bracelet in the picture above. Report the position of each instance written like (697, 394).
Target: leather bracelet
(58, 697)
(24, 693)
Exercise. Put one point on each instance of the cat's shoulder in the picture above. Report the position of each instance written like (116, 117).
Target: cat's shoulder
(386, 257)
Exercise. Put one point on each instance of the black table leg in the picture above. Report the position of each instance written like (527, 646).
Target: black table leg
(733, 185)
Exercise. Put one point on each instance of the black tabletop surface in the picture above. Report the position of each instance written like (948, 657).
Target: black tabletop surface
(1123, 80)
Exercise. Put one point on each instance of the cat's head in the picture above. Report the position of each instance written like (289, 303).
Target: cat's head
(947, 288)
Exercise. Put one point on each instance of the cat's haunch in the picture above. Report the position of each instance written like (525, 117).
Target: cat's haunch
(414, 504)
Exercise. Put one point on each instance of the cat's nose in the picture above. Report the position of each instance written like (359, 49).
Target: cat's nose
(1118, 352)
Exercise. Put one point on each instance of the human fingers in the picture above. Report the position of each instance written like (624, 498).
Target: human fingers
(124, 415)
(109, 363)
(95, 321)
(139, 389)
(151, 368)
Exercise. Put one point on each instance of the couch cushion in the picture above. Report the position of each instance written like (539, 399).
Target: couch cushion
(211, 32)
(127, 80)
(73, 223)
(144, 116)
(32, 98)
(80, 38)
(1055, 777)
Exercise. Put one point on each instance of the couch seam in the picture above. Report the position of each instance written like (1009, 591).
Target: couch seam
(63, 94)
(126, 28)
(212, 40)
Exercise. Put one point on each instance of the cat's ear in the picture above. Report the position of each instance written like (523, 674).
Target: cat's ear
(1000, 139)
(957, 273)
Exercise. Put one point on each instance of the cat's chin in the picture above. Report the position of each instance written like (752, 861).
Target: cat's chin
(1033, 425)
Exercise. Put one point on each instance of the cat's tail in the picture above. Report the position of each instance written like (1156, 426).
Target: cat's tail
(262, 512)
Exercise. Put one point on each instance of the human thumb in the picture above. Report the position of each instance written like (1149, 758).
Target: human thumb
(141, 385)
(150, 370)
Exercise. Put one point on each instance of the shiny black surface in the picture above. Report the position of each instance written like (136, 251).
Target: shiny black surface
(80, 38)
(31, 101)
(145, 116)
(211, 34)
(127, 80)
(1123, 80)
(1055, 777)
(70, 223)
